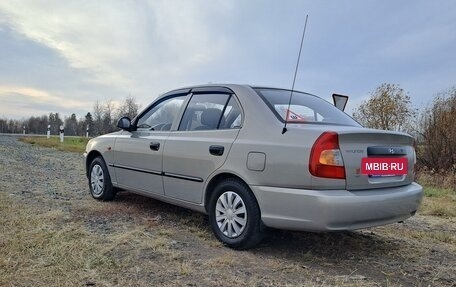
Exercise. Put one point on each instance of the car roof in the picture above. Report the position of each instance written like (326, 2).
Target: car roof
(230, 86)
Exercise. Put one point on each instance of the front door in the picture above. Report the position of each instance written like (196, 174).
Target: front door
(208, 128)
(139, 154)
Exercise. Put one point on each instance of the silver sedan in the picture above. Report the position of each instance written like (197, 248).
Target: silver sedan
(223, 150)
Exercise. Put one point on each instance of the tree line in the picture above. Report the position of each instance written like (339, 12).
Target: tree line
(101, 120)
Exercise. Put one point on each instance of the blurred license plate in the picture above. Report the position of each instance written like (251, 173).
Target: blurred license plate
(383, 175)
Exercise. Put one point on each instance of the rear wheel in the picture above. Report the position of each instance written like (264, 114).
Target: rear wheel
(99, 180)
(234, 215)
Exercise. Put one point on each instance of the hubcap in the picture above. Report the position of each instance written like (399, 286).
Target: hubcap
(230, 214)
(97, 179)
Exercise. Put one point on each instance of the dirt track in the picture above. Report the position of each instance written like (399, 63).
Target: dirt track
(142, 242)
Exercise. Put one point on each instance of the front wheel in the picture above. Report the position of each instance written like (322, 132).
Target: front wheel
(234, 215)
(99, 180)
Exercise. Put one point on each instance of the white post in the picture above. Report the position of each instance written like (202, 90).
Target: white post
(61, 134)
(23, 131)
(48, 132)
(87, 131)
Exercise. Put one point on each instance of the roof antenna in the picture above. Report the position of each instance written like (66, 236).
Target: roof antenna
(294, 79)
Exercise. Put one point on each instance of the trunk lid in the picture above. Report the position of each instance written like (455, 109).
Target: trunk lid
(356, 143)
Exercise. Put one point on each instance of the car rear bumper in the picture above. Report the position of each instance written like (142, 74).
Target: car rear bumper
(335, 210)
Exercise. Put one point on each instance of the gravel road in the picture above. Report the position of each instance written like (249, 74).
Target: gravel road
(408, 254)
(34, 171)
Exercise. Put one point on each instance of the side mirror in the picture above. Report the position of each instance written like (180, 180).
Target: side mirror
(124, 123)
(340, 101)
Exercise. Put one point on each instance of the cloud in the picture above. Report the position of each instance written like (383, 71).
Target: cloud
(416, 45)
(99, 50)
(26, 99)
(68, 30)
(119, 44)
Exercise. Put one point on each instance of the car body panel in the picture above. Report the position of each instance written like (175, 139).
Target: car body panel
(335, 210)
(103, 145)
(136, 165)
(187, 154)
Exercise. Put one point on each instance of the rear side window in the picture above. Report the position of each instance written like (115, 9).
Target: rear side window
(304, 108)
(232, 117)
(211, 112)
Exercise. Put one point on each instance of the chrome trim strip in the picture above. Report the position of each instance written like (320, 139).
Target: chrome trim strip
(137, 169)
(184, 177)
(167, 174)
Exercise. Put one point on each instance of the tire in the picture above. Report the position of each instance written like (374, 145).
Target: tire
(234, 215)
(99, 181)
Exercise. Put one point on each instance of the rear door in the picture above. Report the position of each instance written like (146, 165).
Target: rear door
(208, 128)
(139, 154)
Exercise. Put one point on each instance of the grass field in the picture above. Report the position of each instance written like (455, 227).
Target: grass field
(438, 202)
(135, 241)
(73, 144)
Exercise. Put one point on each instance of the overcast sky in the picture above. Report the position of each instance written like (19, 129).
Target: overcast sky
(62, 56)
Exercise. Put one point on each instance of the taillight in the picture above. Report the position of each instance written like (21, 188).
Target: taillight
(326, 158)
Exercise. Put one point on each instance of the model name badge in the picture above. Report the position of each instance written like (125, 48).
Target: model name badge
(383, 166)
(354, 151)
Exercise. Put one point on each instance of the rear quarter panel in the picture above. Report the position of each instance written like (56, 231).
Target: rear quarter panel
(287, 155)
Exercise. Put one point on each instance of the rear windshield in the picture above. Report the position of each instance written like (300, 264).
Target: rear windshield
(304, 108)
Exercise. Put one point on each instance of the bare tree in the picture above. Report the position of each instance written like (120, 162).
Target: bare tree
(437, 143)
(107, 119)
(97, 118)
(37, 125)
(388, 108)
(128, 108)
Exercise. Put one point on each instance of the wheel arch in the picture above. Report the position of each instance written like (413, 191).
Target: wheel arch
(216, 180)
(90, 157)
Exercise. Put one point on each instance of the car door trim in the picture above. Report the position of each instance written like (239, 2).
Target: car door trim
(167, 174)
(184, 177)
(137, 169)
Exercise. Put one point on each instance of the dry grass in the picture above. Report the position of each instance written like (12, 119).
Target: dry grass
(437, 236)
(226, 259)
(439, 193)
(54, 246)
(440, 179)
(438, 202)
(49, 247)
(73, 144)
(38, 248)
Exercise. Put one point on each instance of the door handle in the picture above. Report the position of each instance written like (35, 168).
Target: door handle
(216, 150)
(154, 146)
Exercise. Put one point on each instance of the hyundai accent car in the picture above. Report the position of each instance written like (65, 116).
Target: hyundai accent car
(223, 150)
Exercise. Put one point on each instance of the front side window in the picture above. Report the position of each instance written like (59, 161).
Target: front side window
(304, 108)
(161, 116)
(210, 112)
